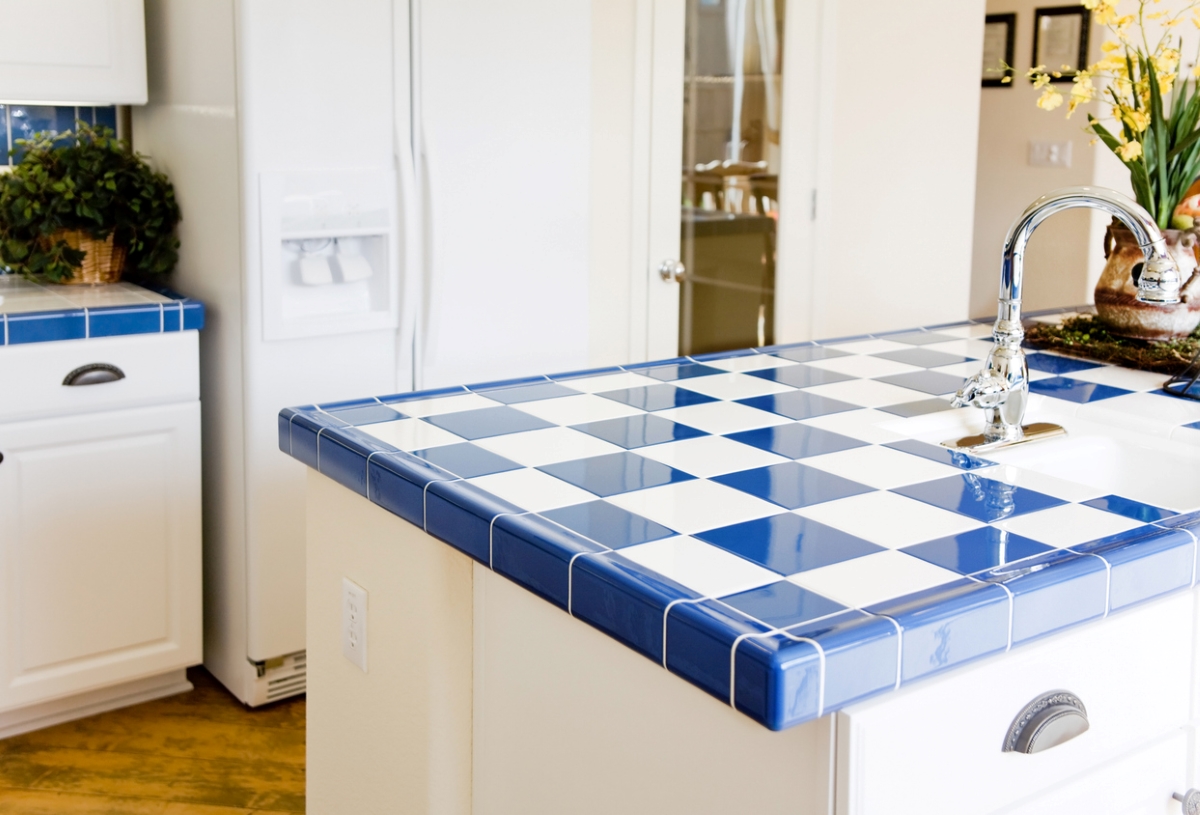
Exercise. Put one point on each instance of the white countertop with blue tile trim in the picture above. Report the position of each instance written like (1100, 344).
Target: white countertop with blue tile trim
(778, 526)
(39, 312)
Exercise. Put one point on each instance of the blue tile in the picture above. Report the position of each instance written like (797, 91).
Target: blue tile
(923, 357)
(657, 397)
(1193, 425)
(106, 116)
(716, 355)
(1052, 592)
(686, 370)
(783, 604)
(948, 626)
(305, 428)
(569, 375)
(193, 316)
(626, 601)
(977, 550)
(466, 460)
(537, 554)
(608, 524)
(800, 376)
(1058, 365)
(700, 638)
(1189, 521)
(485, 422)
(46, 327)
(798, 404)
(792, 484)
(809, 353)
(123, 320)
(917, 337)
(461, 514)
(931, 382)
(615, 473)
(942, 455)
(527, 393)
(778, 680)
(396, 482)
(1145, 563)
(1072, 390)
(861, 655)
(631, 432)
(984, 499)
(370, 413)
(796, 440)
(413, 396)
(788, 544)
(922, 407)
(1130, 508)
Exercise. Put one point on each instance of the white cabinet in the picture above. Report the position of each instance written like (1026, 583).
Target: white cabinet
(100, 529)
(74, 51)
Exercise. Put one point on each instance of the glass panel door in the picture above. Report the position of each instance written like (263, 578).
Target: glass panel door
(731, 120)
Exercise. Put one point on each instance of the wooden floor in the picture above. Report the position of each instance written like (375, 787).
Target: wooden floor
(198, 753)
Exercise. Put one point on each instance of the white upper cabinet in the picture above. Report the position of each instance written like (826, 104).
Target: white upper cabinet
(74, 51)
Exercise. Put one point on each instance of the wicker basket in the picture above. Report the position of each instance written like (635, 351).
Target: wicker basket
(103, 261)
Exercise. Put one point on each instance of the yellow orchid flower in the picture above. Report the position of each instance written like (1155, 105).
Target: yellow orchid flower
(1050, 99)
(1130, 151)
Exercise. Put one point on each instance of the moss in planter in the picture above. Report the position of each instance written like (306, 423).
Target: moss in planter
(1088, 337)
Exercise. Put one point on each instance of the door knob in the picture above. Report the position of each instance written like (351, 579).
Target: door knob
(1190, 802)
(672, 271)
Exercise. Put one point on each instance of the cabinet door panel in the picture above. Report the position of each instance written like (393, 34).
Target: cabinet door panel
(100, 552)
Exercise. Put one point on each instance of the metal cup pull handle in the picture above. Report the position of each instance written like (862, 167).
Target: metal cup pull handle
(96, 373)
(1048, 721)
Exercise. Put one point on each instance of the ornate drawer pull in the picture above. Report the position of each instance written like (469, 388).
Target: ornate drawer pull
(1047, 721)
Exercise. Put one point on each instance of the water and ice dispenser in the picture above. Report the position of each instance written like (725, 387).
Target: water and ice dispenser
(329, 252)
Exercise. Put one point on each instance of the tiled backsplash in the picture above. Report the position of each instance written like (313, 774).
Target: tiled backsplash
(22, 121)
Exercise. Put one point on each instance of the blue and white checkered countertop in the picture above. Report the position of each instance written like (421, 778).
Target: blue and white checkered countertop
(37, 312)
(767, 524)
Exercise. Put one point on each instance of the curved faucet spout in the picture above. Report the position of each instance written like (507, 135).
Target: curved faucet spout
(1001, 389)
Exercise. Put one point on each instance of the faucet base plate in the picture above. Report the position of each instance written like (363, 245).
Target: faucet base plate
(1038, 431)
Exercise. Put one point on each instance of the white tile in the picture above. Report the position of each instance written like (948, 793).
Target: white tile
(585, 407)
(975, 330)
(889, 519)
(1068, 525)
(961, 368)
(1046, 484)
(708, 456)
(731, 386)
(864, 366)
(610, 382)
(532, 489)
(975, 349)
(870, 579)
(704, 568)
(1154, 413)
(752, 362)
(33, 302)
(869, 393)
(721, 418)
(439, 405)
(881, 467)
(694, 506)
(1117, 377)
(533, 448)
(410, 434)
(1186, 435)
(869, 346)
(864, 425)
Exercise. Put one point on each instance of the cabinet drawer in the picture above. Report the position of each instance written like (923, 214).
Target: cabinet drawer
(937, 747)
(157, 368)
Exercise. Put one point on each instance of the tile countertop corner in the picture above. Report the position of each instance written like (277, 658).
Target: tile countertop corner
(764, 523)
(37, 312)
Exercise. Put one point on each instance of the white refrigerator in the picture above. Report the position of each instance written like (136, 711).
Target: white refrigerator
(377, 196)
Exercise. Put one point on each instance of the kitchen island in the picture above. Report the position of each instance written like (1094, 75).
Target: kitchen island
(751, 581)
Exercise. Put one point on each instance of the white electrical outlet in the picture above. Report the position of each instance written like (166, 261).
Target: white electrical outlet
(354, 623)
(1050, 154)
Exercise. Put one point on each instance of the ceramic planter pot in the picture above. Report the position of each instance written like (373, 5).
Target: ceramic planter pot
(1116, 293)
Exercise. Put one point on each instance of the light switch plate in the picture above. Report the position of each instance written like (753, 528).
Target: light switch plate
(354, 623)
(1050, 154)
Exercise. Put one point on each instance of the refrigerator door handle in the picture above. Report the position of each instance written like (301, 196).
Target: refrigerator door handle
(412, 289)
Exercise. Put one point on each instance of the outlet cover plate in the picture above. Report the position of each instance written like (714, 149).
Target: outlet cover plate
(354, 623)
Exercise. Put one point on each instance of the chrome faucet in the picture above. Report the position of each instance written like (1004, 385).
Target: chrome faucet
(1001, 389)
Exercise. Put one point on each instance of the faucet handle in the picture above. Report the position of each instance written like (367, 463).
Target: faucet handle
(984, 390)
(1159, 281)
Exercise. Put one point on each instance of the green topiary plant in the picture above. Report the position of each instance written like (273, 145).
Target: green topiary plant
(90, 181)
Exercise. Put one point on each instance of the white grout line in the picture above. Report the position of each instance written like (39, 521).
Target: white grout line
(492, 534)
(667, 613)
(571, 578)
(162, 318)
(87, 324)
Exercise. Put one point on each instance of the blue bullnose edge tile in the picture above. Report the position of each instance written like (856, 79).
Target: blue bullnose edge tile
(716, 355)
(569, 375)
(461, 514)
(861, 655)
(626, 601)
(1145, 563)
(1052, 592)
(500, 384)
(777, 680)
(948, 625)
(1134, 510)
(397, 481)
(537, 554)
(413, 396)
(193, 315)
(304, 428)
(700, 640)
(1189, 521)
(123, 320)
(46, 327)
(370, 412)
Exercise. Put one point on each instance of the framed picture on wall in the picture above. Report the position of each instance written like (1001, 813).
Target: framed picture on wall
(1060, 40)
(999, 37)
